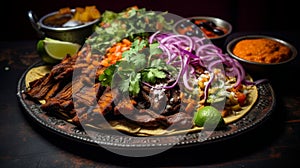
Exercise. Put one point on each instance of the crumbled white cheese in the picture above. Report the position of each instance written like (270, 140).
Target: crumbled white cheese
(158, 92)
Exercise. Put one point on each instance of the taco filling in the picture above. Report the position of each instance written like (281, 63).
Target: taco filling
(149, 84)
(154, 87)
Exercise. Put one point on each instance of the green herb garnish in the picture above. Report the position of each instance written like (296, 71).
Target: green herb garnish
(138, 65)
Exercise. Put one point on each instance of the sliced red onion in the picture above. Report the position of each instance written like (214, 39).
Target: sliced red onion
(179, 49)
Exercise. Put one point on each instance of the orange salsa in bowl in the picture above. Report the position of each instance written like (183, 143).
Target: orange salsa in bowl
(261, 55)
(262, 50)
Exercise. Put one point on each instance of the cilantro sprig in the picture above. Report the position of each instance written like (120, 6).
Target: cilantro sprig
(138, 64)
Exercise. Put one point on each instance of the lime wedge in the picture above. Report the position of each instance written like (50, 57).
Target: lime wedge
(208, 117)
(52, 51)
(59, 50)
(43, 54)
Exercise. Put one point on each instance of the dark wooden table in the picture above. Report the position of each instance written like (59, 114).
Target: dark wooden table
(23, 143)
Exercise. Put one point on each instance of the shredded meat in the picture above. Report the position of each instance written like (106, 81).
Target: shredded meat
(80, 98)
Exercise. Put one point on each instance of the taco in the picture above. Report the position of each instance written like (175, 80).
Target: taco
(150, 90)
(143, 84)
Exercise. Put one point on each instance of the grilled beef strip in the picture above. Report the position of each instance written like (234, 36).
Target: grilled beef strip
(180, 120)
(92, 101)
(61, 103)
(92, 110)
(40, 87)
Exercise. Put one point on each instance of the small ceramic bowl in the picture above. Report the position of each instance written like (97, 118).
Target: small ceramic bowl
(215, 29)
(261, 54)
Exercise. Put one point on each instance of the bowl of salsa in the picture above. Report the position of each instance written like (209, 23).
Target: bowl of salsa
(261, 53)
(213, 28)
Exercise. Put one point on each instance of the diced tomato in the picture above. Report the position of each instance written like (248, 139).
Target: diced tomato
(241, 98)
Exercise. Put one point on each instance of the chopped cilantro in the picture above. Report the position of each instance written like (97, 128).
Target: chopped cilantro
(139, 64)
(134, 84)
(149, 75)
(106, 77)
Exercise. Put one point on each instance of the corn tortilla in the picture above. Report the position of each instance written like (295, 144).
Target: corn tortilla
(134, 129)
(36, 73)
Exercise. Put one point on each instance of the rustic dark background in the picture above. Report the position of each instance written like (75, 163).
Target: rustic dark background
(245, 15)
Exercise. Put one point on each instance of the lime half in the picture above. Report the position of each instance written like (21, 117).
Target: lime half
(51, 50)
(209, 117)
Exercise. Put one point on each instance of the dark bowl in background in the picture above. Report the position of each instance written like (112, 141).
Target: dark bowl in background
(219, 23)
(77, 34)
